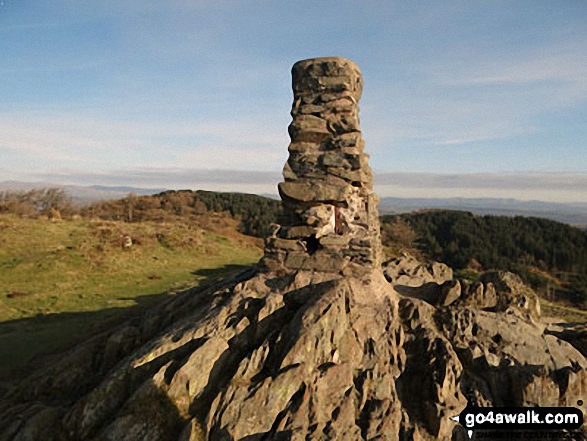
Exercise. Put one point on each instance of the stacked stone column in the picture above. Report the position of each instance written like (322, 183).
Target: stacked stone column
(330, 219)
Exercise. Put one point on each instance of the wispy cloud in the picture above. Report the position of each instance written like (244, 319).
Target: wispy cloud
(561, 187)
(52, 66)
(435, 120)
(165, 176)
(214, 156)
(465, 97)
(545, 186)
(110, 7)
(30, 26)
(536, 80)
(559, 63)
(475, 136)
(520, 180)
(105, 142)
(171, 178)
(205, 84)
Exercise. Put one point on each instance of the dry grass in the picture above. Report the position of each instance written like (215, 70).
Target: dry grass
(557, 312)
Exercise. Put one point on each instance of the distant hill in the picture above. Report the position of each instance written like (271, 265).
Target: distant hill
(126, 190)
(82, 195)
(538, 249)
(569, 213)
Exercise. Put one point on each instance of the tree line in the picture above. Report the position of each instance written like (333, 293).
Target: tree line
(519, 244)
(36, 202)
(457, 237)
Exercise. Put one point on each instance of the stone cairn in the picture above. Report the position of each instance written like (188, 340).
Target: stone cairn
(330, 221)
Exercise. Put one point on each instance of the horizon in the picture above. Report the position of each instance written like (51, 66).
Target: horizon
(461, 100)
(74, 189)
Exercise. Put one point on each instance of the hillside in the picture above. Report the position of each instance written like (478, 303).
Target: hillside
(64, 280)
(254, 213)
(549, 255)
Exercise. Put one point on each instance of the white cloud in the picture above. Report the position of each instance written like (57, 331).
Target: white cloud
(520, 180)
(548, 77)
(109, 8)
(99, 142)
(223, 157)
(30, 26)
(554, 187)
(545, 186)
(565, 63)
(171, 178)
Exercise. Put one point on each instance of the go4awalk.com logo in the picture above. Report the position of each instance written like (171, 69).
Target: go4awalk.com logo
(533, 420)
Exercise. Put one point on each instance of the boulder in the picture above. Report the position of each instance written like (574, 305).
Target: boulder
(408, 271)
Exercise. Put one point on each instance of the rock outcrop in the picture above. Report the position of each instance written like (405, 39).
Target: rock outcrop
(483, 340)
(304, 356)
(317, 342)
(407, 271)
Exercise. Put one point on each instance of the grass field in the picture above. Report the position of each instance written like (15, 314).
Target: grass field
(562, 312)
(61, 281)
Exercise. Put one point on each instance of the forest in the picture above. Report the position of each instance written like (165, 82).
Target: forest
(528, 246)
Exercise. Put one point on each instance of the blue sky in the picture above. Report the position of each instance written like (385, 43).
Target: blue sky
(462, 98)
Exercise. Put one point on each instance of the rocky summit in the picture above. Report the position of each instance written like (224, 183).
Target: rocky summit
(320, 341)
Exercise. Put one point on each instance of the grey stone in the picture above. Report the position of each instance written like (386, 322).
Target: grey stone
(286, 244)
(305, 191)
(328, 182)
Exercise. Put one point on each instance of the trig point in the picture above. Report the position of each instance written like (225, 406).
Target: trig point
(330, 219)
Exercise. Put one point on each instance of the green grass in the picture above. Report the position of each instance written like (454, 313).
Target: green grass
(562, 312)
(61, 281)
